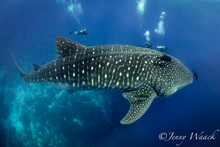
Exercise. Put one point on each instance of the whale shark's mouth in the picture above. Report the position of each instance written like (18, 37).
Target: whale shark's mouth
(181, 87)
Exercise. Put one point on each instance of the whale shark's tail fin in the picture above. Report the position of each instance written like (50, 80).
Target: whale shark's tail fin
(19, 69)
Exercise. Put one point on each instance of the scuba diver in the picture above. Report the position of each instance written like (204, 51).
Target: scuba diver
(162, 49)
(82, 32)
(195, 75)
(147, 45)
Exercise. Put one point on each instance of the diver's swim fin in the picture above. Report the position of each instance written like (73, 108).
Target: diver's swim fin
(71, 32)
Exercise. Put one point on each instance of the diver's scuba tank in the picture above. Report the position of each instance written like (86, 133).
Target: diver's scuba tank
(162, 49)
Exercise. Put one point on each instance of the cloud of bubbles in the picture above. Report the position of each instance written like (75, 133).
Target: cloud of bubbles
(141, 6)
(74, 7)
(160, 29)
(147, 34)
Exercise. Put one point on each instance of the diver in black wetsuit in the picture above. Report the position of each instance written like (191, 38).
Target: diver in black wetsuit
(162, 49)
(82, 32)
(147, 45)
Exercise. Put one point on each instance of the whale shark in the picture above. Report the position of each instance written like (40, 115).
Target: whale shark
(142, 74)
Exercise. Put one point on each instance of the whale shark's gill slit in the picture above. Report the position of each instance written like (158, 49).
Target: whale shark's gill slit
(163, 93)
(154, 86)
(160, 94)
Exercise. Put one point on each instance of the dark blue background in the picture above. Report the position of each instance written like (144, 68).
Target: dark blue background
(28, 30)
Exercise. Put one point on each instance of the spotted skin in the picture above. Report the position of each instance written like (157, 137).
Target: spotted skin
(142, 74)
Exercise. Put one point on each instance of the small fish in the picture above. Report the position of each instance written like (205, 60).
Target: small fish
(195, 75)
(142, 74)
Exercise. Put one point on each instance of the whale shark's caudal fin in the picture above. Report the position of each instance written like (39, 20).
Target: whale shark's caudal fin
(19, 69)
(140, 100)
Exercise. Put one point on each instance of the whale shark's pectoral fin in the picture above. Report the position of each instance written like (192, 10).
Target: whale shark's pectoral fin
(140, 100)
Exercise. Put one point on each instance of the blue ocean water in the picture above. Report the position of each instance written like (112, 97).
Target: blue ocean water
(45, 116)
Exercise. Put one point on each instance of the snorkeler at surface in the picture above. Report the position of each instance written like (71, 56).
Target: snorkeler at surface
(82, 32)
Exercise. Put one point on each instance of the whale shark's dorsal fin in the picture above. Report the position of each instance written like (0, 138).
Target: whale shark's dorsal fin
(36, 67)
(66, 47)
(140, 100)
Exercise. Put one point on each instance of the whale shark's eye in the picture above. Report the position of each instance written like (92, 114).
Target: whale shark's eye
(162, 61)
